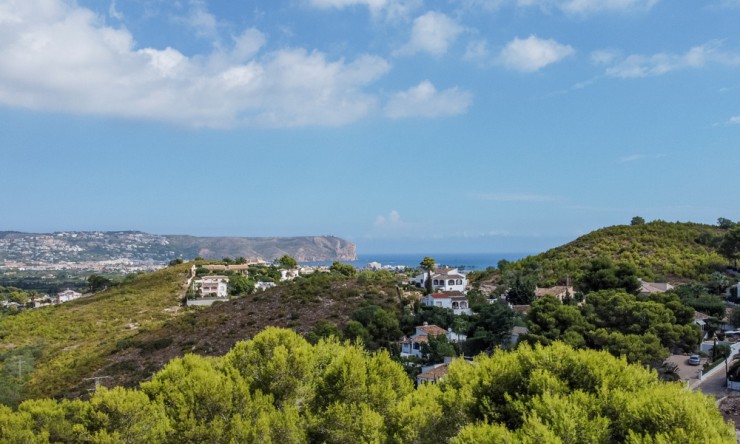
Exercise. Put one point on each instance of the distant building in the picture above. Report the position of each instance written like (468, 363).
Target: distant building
(454, 300)
(264, 285)
(212, 286)
(412, 346)
(559, 292)
(654, 287)
(444, 279)
(67, 295)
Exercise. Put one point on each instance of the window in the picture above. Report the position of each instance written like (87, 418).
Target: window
(451, 282)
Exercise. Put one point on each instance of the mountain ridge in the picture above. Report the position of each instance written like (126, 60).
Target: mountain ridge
(80, 246)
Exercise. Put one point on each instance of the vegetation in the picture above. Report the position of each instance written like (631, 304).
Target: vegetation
(279, 388)
(643, 329)
(657, 250)
(72, 339)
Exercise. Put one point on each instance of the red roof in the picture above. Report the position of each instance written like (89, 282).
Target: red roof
(432, 330)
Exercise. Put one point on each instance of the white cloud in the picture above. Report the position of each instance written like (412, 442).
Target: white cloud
(392, 9)
(734, 120)
(516, 197)
(477, 50)
(532, 53)
(199, 19)
(424, 100)
(113, 12)
(635, 66)
(60, 57)
(393, 218)
(632, 158)
(433, 33)
(587, 7)
(604, 56)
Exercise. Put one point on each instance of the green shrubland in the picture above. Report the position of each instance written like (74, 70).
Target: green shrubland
(278, 388)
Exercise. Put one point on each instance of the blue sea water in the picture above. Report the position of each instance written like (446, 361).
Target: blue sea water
(463, 261)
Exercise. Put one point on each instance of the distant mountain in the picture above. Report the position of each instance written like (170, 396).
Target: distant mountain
(674, 251)
(82, 246)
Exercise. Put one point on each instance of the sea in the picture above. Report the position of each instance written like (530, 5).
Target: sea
(463, 261)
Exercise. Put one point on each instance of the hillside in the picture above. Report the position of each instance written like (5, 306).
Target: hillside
(53, 347)
(99, 336)
(213, 331)
(85, 246)
(660, 250)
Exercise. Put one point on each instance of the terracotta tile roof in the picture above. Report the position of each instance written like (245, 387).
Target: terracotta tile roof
(432, 330)
(556, 291)
(435, 373)
(699, 316)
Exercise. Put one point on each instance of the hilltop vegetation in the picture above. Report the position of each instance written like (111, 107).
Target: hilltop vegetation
(659, 251)
(278, 388)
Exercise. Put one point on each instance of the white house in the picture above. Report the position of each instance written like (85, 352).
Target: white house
(412, 346)
(289, 275)
(444, 279)
(264, 285)
(68, 295)
(454, 300)
(212, 286)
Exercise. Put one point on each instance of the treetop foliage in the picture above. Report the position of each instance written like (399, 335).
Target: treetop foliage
(657, 250)
(278, 388)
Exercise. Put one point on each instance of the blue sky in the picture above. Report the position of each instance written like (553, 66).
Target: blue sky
(402, 125)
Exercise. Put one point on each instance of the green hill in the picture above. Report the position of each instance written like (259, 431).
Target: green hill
(660, 250)
(127, 333)
(46, 350)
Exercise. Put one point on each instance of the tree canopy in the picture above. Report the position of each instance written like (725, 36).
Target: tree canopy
(287, 262)
(278, 388)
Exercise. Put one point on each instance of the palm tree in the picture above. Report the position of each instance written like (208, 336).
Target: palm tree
(428, 264)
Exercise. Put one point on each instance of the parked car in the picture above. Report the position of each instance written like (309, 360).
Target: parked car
(694, 360)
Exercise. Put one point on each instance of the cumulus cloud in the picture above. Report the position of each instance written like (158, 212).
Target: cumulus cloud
(586, 7)
(339, 4)
(432, 33)
(57, 56)
(734, 120)
(391, 9)
(637, 65)
(477, 50)
(199, 19)
(424, 100)
(392, 218)
(532, 53)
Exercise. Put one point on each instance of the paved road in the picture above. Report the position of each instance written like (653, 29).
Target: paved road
(714, 385)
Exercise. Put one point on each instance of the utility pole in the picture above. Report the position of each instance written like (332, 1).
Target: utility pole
(21, 362)
(97, 380)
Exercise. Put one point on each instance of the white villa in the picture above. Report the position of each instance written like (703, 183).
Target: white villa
(212, 286)
(68, 295)
(262, 286)
(444, 279)
(454, 300)
(412, 346)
